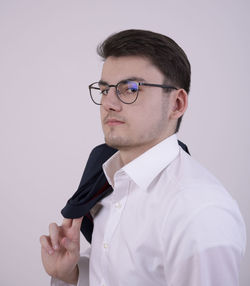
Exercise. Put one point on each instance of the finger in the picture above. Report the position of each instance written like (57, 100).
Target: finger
(46, 244)
(77, 222)
(54, 235)
(76, 226)
(67, 222)
(70, 245)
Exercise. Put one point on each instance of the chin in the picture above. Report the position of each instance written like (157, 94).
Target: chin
(118, 143)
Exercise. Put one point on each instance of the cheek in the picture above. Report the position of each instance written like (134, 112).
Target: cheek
(152, 111)
(102, 116)
(144, 119)
(103, 113)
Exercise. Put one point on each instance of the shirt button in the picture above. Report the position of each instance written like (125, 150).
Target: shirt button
(105, 245)
(118, 205)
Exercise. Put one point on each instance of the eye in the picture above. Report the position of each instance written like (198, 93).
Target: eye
(131, 90)
(104, 92)
(132, 87)
(104, 89)
(128, 88)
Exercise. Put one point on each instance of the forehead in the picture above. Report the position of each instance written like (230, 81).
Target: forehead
(116, 69)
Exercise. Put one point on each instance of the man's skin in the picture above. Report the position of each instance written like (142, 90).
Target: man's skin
(130, 128)
(61, 250)
(146, 122)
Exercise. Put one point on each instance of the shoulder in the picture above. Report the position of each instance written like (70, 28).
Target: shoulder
(202, 213)
(197, 188)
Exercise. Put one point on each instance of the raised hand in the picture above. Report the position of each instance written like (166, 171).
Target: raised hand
(61, 250)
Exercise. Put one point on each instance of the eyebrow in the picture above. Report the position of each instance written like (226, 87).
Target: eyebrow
(133, 78)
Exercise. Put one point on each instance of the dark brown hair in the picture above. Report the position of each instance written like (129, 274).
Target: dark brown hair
(161, 50)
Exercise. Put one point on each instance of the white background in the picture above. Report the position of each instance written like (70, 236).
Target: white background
(48, 125)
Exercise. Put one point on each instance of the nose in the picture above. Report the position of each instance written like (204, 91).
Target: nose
(110, 101)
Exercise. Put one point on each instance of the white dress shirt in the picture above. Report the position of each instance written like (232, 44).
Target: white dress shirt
(168, 222)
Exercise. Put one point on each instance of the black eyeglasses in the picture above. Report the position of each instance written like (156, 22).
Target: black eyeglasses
(126, 90)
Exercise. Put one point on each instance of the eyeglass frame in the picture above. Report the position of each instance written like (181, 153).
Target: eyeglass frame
(127, 80)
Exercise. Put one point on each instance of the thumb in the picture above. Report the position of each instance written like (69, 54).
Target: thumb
(70, 245)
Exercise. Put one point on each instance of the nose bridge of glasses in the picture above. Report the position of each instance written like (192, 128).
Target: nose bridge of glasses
(115, 89)
(111, 98)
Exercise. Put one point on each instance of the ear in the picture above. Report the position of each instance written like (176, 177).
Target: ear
(179, 104)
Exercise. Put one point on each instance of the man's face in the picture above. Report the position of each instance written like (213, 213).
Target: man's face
(143, 123)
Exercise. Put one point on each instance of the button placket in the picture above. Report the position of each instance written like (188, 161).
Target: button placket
(118, 198)
(118, 205)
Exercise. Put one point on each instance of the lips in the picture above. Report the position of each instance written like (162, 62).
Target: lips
(113, 122)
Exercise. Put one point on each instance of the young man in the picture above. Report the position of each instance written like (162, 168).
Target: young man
(168, 220)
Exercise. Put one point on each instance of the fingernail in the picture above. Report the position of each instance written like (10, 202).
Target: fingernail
(56, 247)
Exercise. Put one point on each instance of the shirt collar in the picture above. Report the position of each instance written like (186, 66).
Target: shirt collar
(147, 166)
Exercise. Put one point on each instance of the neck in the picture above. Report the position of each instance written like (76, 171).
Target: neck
(128, 154)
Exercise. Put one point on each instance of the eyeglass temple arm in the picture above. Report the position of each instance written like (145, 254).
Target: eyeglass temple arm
(157, 85)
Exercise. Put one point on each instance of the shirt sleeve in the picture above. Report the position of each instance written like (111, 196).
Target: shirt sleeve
(212, 267)
(207, 249)
(83, 265)
(57, 282)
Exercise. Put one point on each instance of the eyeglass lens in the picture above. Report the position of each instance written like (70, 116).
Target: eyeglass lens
(127, 91)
